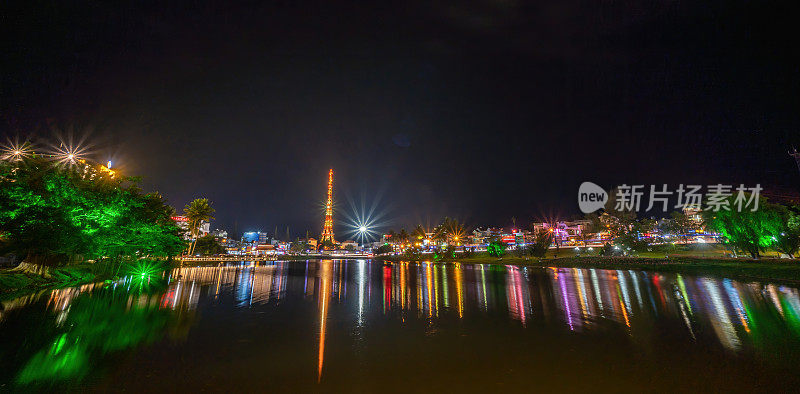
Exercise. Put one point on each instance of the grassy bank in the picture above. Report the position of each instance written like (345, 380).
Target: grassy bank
(14, 282)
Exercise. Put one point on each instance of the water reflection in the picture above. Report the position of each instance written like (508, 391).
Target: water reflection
(86, 322)
(325, 276)
(582, 299)
(89, 321)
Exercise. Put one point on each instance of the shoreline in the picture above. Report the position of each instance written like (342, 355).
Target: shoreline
(16, 283)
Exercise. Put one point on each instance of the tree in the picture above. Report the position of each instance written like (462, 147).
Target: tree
(53, 214)
(542, 239)
(447, 253)
(439, 234)
(298, 246)
(747, 231)
(616, 220)
(383, 249)
(456, 232)
(418, 234)
(787, 237)
(680, 224)
(326, 244)
(197, 211)
(450, 230)
(631, 235)
(496, 248)
(208, 245)
(392, 235)
(403, 236)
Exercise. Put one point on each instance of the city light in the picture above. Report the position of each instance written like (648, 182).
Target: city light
(15, 150)
(362, 222)
(69, 150)
(69, 155)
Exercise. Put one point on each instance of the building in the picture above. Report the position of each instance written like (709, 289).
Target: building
(183, 223)
(256, 237)
(482, 237)
(565, 232)
(349, 244)
(264, 250)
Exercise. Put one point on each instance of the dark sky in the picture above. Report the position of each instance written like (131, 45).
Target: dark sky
(480, 110)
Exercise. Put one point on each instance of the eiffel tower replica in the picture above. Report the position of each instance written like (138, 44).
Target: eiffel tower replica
(327, 228)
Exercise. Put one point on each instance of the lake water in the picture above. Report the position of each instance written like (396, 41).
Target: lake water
(362, 326)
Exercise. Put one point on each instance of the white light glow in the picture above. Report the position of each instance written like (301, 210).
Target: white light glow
(15, 150)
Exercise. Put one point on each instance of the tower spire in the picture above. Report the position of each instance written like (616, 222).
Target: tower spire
(327, 228)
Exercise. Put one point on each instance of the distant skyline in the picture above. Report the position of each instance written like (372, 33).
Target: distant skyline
(478, 110)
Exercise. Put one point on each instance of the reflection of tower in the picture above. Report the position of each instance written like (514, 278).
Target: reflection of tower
(327, 229)
(325, 274)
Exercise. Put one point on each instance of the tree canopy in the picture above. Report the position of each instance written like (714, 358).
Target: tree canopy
(52, 213)
(746, 230)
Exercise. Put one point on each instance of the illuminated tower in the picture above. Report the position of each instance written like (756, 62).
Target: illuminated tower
(327, 229)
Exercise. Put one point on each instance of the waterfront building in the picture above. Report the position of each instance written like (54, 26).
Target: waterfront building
(220, 234)
(349, 243)
(183, 223)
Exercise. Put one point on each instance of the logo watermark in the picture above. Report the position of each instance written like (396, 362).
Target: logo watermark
(592, 197)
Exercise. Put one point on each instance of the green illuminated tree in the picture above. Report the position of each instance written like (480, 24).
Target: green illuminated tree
(787, 237)
(54, 214)
(496, 248)
(747, 231)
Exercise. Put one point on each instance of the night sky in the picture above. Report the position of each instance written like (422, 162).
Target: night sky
(479, 110)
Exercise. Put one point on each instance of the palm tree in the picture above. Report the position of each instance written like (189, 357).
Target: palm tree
(197, 211)
(403, 236)
(392, 237)
(441, 231)
(457, 232)
(419, 233)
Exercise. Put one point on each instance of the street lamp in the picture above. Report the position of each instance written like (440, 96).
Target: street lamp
(362, 230)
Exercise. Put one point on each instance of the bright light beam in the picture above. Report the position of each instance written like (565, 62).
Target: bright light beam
(15, 150)
(69, 151)
(363, 224)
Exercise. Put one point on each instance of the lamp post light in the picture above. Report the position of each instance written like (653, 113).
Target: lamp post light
(362, 230)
